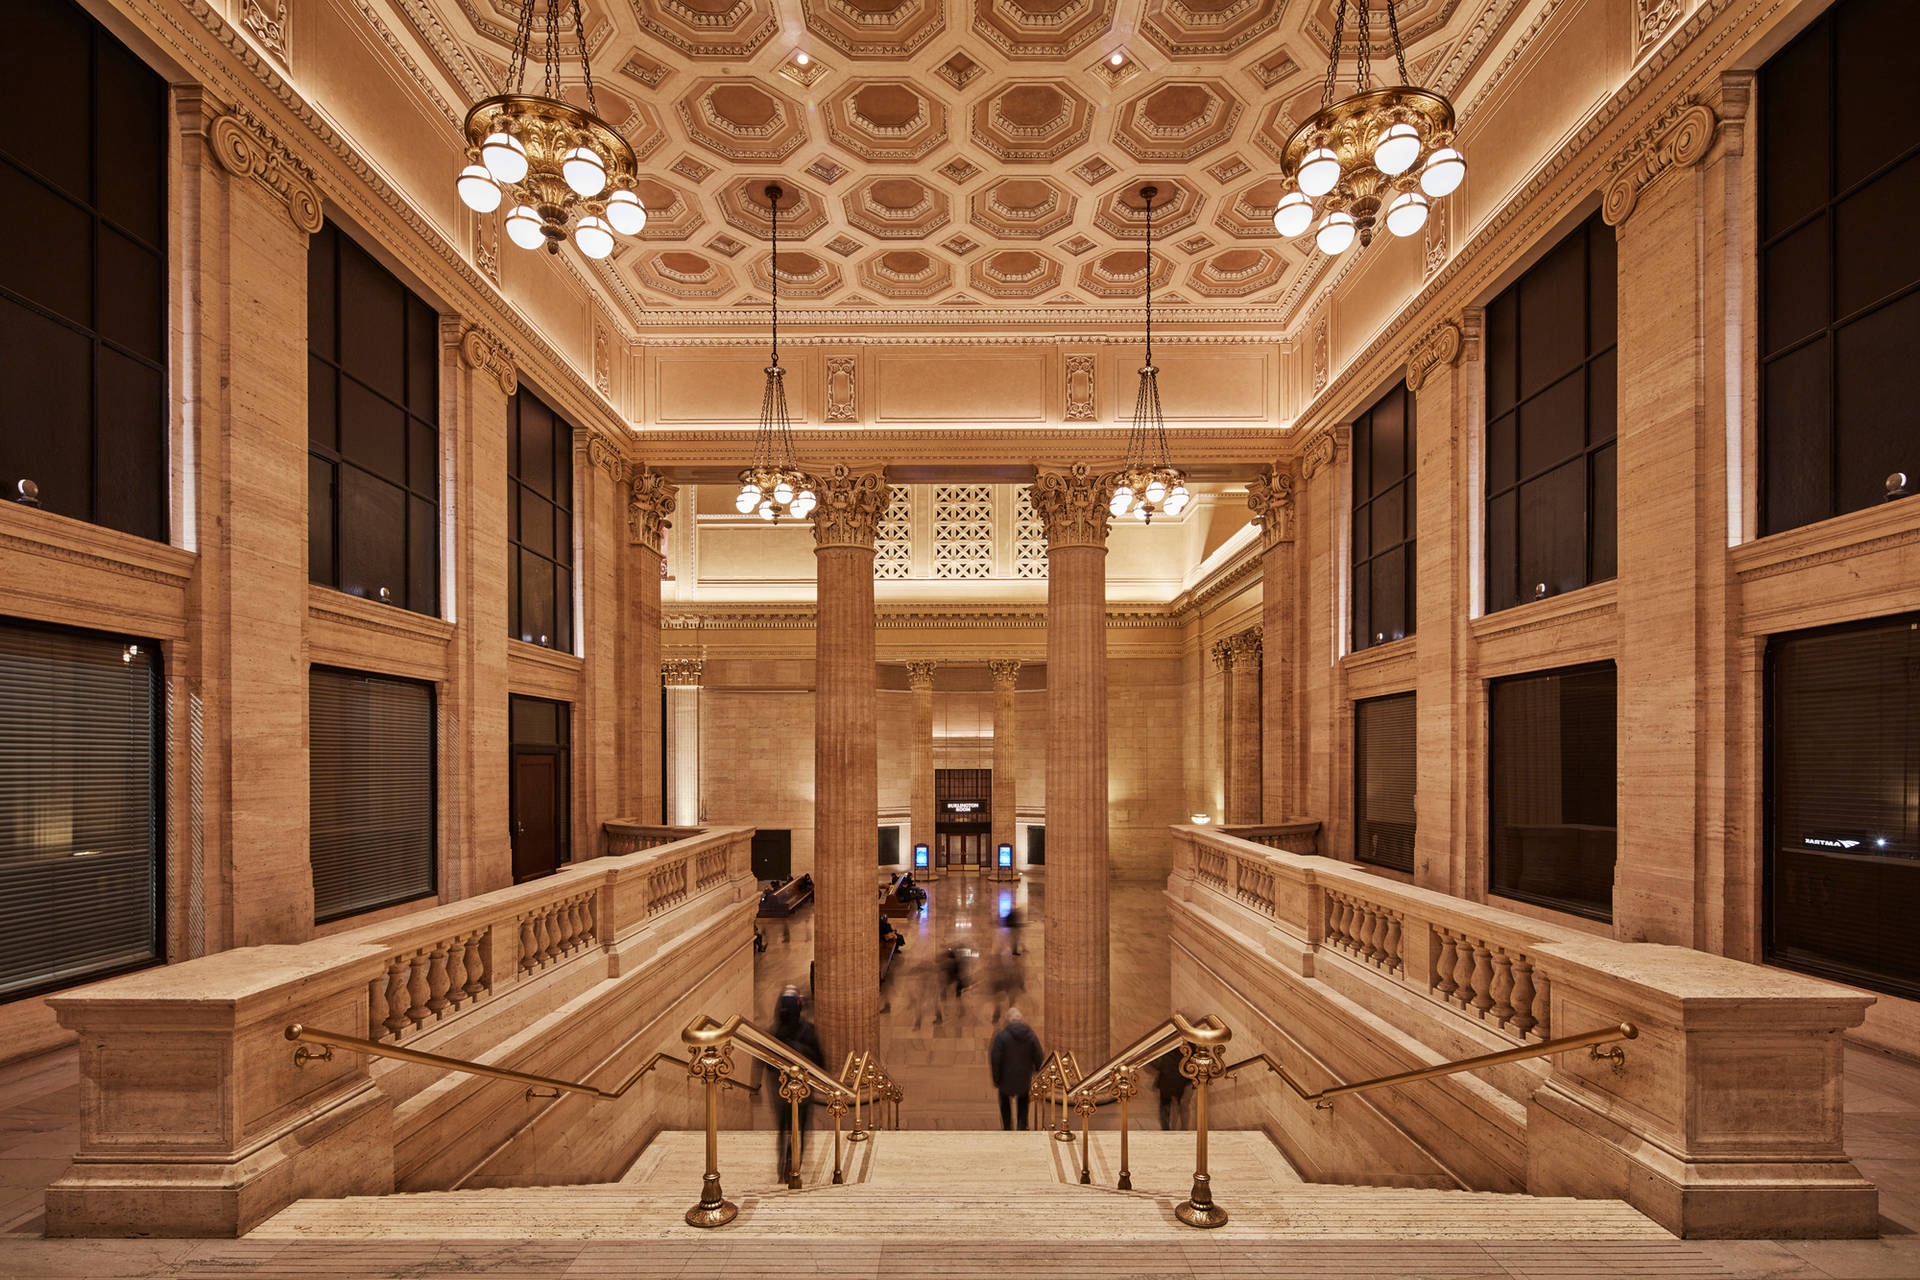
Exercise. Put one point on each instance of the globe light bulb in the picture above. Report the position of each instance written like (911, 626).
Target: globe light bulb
(584, 172)
(1335, 234)
(626, 213)
(523, 228)
(593, 236)
(1177, 499)
(478, 191)
(1397, 149)
(504, 157)
(1407, 214)
(747, 497)
(1443, 172)
(766, 509)
(803, 504)
(1319, 172)
(783, 493)
(1156, 490)
(1293, 215)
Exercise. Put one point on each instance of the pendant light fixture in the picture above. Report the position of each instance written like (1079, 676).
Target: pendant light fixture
(553, 165)
(1376, 155)
(1149, 484)
(773, 483)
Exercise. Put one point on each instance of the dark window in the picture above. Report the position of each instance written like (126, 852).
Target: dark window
(373, 413)
(772, 854)
(1550, 822)
(1036, 846)
(889, 846)
(539, 523)
(540, 784)
(1551, 391)
(1383, 760)
(83, 271)
(1839, 176)
(1843, 803)
(80, 793)
(372, 760)
(1383, 522)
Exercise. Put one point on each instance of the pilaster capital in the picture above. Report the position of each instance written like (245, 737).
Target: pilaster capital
(1271, 499)
(849, 507)
(247, 148)
(1073, 506)
(1681, 137)
(1440, 349)
(920, 675)
(1243, 649)
(601, 454)
(681, 672)
(650, 500)
(1006, 672)
(1326, 448)
(1222, 651)
(483, 352)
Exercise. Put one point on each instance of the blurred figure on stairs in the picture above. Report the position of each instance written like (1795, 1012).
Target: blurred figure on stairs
(1014, 1057)
(1173, 1086)
(791, 1028)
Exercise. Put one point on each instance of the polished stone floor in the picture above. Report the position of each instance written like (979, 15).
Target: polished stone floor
(943, 1067)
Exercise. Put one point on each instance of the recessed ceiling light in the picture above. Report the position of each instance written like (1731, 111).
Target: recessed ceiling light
(801, 59)
(1118, 58)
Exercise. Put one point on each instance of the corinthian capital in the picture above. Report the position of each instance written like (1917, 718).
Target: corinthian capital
(1006, 672)
(650, 500)
(920, 674)
(1222, 651)
(1243, 650)
(849, 507)
(1271, 499)
(1073, 506)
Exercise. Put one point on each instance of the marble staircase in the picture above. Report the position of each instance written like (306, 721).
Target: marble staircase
(961, 1187)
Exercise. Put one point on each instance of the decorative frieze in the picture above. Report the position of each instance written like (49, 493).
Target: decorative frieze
(1006, 672)
(650, 500)
(484, 353)
(1654, 20)
(682, 672)
(247, 148)
(266, 21)
(1437, 240)
(1680, 138)
(842, 389)
(1080, 385)
(920, 674)
(1073, 506)
(848, 514)
(1270, 497)
(1438, 350)
(1319, 355)
(602, 353)
(486, 246)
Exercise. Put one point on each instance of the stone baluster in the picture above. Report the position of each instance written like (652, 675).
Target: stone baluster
(437, 981)
(1522, 997)
(1463, 972)
(527, 946)
(1376, 935)
(476, 965)
(456, 972)
(1443, 966)
(417, 1011)
(1542, 1005)
(1393, 942)
(1502, 990)
(397, 1000)
(1482, 979)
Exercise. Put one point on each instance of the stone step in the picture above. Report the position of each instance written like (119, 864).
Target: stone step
(960, 1187)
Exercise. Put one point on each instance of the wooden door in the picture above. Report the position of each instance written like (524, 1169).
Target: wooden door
(536, 814)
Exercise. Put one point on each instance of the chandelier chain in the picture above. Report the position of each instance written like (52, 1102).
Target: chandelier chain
(553, 49)
(1333, 55)
(773, 274)
(1149, 280)
(1399, 50)
(586, 68)
(522, 40)
(1364, 63)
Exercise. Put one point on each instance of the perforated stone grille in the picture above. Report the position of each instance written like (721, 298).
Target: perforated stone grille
(1029, 538)
(962, 531)
(893, 540)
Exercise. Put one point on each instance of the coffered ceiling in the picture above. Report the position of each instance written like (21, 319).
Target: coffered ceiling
(947, 154)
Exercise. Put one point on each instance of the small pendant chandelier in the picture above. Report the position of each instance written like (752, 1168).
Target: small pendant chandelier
(774, 485)
(550, 162)
(1377, 153)
(1149, 484)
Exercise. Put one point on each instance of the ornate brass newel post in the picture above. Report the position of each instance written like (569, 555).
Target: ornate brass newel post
(793, 1087)
(859, 1133)
(712, 1063)
(1200, 1063)
(1123, 1088)
(1086, 1134)
(839, 1109)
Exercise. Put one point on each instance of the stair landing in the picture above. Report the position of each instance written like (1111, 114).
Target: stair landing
(961, 1187)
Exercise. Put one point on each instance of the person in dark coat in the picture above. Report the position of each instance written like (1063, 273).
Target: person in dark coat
(1173, 1088)
(1014, 1057)
(791, 1028)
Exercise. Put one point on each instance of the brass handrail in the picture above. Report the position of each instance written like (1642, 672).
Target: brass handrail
(334, 1040)
(1322, 1098)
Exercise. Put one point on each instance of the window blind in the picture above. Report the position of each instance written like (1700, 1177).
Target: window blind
(79, 807)
(373, 830)
(1383, 781)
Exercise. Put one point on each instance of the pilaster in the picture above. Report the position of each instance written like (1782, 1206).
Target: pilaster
(1006, 678)
(1243, 760)
(650, 500)
(600, 508)
(923, 819)
(682, 678)
(1271, 498)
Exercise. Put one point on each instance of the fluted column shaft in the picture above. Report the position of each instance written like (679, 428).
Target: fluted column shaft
(1074, 510)
(846, 804)
(1006, 675)
(1222, 651)
(682, 677)
(1271, 497)
(1243, 761)
(650, 500)
(921, 816)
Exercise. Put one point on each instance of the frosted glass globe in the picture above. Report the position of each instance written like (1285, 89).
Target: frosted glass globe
(523, 228)
(626, 213)
(1319, 172)
(1335, 234)
(1293, 214)
(1397, 149)
(1156, 490)
(747, 497)
(1443, 172)
(504, 157)
(783, 493)
(1407, 214)
(478, 191)
(584, 172)
(1177, 500)
(594, 236)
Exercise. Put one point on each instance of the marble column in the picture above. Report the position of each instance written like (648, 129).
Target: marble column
(1243, 760)
(846, 798)
(650, 500)
(921, 816)
(682, 677)
(1006, 675)
(1271, 498)
(1222, 651)
(1073, 508)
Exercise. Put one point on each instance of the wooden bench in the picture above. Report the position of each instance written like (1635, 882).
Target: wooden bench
(779, 903)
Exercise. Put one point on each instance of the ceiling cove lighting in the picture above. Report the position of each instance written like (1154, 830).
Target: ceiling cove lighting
(560, 170)
(1149, 484)
(773, 485)
(1377, 155)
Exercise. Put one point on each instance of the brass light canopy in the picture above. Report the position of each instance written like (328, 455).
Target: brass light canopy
(556, 167)
(1380, 154)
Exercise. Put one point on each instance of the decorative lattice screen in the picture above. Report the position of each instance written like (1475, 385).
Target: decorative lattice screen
(1029, 538)
(893, 540)
(962, 531)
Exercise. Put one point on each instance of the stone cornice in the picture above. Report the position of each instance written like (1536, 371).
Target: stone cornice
(1270, 497)
(849, 507)
(1073, 506)
(1218, 585)
(959, 445)
(651, 498)
(983, 616)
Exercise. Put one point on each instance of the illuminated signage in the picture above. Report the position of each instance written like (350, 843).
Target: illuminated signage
(1830, 842)
(1006, 855)
(919, 855)
(963, 806)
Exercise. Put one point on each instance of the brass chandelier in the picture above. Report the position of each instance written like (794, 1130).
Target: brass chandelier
(562, 166)
(1149, 484)
(773, 483)
(1377, 154)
